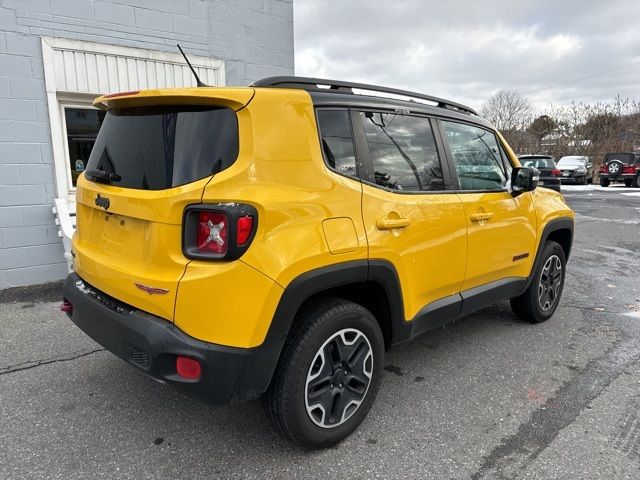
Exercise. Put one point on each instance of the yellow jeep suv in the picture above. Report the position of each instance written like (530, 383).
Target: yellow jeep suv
(275, 240)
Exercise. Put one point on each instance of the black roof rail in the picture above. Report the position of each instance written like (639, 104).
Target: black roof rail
(337, 86)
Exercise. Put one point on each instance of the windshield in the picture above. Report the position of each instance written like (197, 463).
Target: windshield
(537, 162)
(155, 148)
(571, 161)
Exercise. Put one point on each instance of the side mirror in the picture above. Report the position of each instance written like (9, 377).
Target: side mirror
(524, 179)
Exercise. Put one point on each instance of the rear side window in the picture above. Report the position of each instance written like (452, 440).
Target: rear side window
(476, 156)
(155, 148)
(403, 151)
(337, 141)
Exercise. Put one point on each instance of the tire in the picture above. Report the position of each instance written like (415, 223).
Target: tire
(605, 182)
(638, 180)
(614, 167)
(540, 300)
(586, 180)
(630, 182)
(326, 326)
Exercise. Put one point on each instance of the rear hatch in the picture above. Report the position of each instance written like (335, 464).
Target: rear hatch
(153, 156)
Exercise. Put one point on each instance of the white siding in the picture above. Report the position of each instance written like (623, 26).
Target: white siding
(84, 67)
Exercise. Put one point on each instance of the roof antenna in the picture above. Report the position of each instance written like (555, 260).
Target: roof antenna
(198, 82)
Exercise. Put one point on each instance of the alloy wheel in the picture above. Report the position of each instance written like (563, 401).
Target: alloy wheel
(339, 378)
(550, 282)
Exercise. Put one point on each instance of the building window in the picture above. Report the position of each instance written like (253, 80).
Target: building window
(81, 125)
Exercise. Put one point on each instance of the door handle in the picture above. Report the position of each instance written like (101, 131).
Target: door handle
(479, 217)
(392, 223)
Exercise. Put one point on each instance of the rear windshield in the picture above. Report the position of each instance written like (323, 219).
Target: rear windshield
(623, 157)
(537, 162)
(154, 148)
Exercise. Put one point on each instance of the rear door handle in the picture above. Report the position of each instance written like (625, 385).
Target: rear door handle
(392, 223)
(479, 217)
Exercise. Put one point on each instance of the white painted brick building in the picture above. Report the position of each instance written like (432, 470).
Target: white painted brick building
(57, 55)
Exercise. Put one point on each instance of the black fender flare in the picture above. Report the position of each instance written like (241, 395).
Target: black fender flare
(564, 223)
(313, 282)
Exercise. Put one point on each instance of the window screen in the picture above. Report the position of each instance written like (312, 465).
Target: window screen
(337, 141)
(403, 151)
(476, 156)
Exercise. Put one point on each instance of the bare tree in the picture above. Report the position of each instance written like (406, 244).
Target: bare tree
(507, 110)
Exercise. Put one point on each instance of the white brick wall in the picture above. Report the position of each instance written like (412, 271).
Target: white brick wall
(253, 37)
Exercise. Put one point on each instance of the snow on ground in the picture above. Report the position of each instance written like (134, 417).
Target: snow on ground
(612, 188)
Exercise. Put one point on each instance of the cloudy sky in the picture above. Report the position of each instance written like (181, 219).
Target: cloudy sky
(551, 51)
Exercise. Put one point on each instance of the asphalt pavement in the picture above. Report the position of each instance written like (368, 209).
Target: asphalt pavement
(487, 397)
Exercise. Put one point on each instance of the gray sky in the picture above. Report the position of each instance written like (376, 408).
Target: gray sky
(466, 50)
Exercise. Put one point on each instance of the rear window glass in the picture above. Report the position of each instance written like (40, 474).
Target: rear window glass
(154, 148)
(537, 162)
(623, 157)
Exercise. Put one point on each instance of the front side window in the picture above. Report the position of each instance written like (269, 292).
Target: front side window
(337, 141)
(403, 152)
(476, 156)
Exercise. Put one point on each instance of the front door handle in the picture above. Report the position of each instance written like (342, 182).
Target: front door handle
(479, 217)
(392, 223)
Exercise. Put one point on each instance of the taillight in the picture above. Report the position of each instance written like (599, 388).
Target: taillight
(555, 172)
(188, 368)
(122, 94)
(218, 231)
(603, 169)
(628, 170)
(245, 228)
(212, 232)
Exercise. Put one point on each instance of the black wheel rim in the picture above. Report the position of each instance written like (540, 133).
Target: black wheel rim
(550, 283)
(339, 377)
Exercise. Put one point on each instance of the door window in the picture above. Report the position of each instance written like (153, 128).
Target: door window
(337, 141)
(476, 156)
(403, 151)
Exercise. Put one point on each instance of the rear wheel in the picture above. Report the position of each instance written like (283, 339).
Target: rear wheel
(604, 182)
(538, 303)
(328, 375)
(629, 183)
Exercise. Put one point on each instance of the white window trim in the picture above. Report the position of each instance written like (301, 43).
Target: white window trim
(57, 98)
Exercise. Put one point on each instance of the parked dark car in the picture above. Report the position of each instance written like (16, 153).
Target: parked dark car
(576, 169)
(549, 174)
(620, 167)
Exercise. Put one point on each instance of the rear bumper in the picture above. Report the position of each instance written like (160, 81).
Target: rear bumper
(618, 178)
(152, 344)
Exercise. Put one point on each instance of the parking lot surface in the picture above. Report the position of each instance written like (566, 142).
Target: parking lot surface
(487, 397)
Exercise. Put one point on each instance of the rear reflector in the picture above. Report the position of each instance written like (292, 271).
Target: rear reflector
(212, 232)
(188, 368)
(66, 306)
(245, 228)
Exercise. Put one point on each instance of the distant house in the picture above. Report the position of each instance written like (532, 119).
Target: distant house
(56, 56)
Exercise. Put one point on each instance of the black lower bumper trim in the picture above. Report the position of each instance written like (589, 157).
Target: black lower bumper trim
(152, 344)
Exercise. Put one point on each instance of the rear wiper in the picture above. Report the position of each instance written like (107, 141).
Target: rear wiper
(101, 176)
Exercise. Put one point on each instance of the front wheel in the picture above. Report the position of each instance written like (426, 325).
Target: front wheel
(328, 375)
(540, 300)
